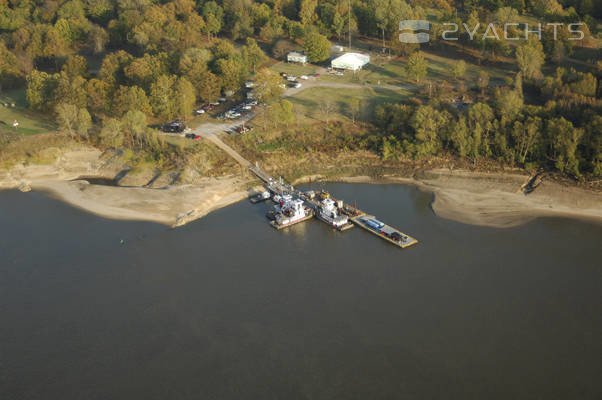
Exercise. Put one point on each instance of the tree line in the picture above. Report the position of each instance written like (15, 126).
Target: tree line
(563, 134)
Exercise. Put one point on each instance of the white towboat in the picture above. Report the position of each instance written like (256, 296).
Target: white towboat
(329, 213)
(289, 212)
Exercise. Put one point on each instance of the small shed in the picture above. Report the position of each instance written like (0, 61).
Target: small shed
(350, 61)
(296, 57)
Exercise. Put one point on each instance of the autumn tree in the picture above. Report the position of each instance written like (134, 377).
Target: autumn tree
(482, 81)
(564, 139)
(213, 15)
(134, 127)
(508, 103)
(416, 67)
(129, 98)
(427, 122)
(526, 135)
(161, 97)
(184, 97)
(459, 69)
(307, 11)
(252, 54)
(317, 47)
(10, 74)
(74, 121)
(98, 96)
(75, 66)
(530, 58)
(282, 113)
(111, 133)
(327, 108)
(267, 86)
(40, 90)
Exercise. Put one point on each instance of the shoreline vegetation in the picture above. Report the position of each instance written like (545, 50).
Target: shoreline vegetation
(477, 198)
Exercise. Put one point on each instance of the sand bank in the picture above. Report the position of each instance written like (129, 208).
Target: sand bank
(171, 205)
(469, 197)
(496, 199)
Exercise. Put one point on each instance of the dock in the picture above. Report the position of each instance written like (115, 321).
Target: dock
(356, 216)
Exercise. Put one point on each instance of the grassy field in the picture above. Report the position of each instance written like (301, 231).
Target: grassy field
(310, 102)
(29, 123)
(440, 66)
(294, 69)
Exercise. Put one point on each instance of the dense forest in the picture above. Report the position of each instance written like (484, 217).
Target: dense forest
(109, 68)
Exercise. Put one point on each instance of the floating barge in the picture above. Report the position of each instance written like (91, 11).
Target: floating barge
(384, 231)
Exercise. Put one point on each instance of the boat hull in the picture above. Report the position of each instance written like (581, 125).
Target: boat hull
(282, 226)
(341, 228)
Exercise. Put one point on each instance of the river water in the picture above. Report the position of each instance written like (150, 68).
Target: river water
(229, 308)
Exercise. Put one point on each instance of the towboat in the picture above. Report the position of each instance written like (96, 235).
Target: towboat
(328, 212)
(289, 212)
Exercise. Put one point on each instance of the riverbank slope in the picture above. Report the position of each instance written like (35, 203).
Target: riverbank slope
(488, 199)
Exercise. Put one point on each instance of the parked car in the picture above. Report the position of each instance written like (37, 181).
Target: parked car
(199, 111)
(192, 136)
(252, 102)
(247, 107)
(244, 129)
(291, 78)
(174, 127)
(297, 85)
(283, 74)
(304, 77)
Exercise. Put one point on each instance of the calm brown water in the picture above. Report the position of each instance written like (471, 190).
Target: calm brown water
(229, 308)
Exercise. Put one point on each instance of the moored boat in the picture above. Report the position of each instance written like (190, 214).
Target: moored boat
(328, 212)
(289, 212)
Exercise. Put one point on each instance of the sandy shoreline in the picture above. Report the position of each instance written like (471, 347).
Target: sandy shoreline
(172, 206)
(167, 204)
(496, 200)
(468, 197)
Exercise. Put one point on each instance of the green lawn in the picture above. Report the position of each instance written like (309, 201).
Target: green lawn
(29, 123)
(440, 68)
(309, 103)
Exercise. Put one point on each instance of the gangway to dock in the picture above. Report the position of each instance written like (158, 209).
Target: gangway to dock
(260, 173)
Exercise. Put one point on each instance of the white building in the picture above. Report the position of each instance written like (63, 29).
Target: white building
(296, 57)
(350, 61)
